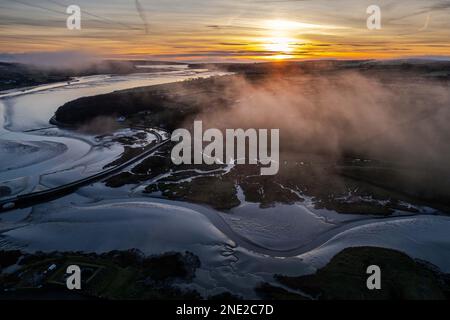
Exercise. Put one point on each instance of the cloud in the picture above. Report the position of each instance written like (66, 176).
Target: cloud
(59, 59)
(143, 15)
(345, 112)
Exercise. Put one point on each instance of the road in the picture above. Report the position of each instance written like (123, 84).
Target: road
(30, 199)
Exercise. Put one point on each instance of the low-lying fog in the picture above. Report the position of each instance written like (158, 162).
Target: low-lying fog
(405, 120)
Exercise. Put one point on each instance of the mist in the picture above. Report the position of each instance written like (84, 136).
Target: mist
(403, 120)
(99, 126)
(71, 60)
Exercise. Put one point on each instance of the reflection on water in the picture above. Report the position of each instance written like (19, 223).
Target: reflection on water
(33, 109)
(25, 132)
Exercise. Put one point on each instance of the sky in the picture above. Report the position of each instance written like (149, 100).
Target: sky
(227, 30)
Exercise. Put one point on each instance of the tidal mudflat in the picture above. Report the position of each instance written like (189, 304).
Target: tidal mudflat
(252, 236)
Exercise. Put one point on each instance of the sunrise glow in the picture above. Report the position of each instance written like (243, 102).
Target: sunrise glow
(225, 31)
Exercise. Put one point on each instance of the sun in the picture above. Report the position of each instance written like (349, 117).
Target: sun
(280, 39)
(279, 44)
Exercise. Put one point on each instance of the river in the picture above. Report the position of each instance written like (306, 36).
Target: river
(31, 148)
(238, 250)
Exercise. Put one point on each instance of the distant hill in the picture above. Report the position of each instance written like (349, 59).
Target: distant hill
(18, 75)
